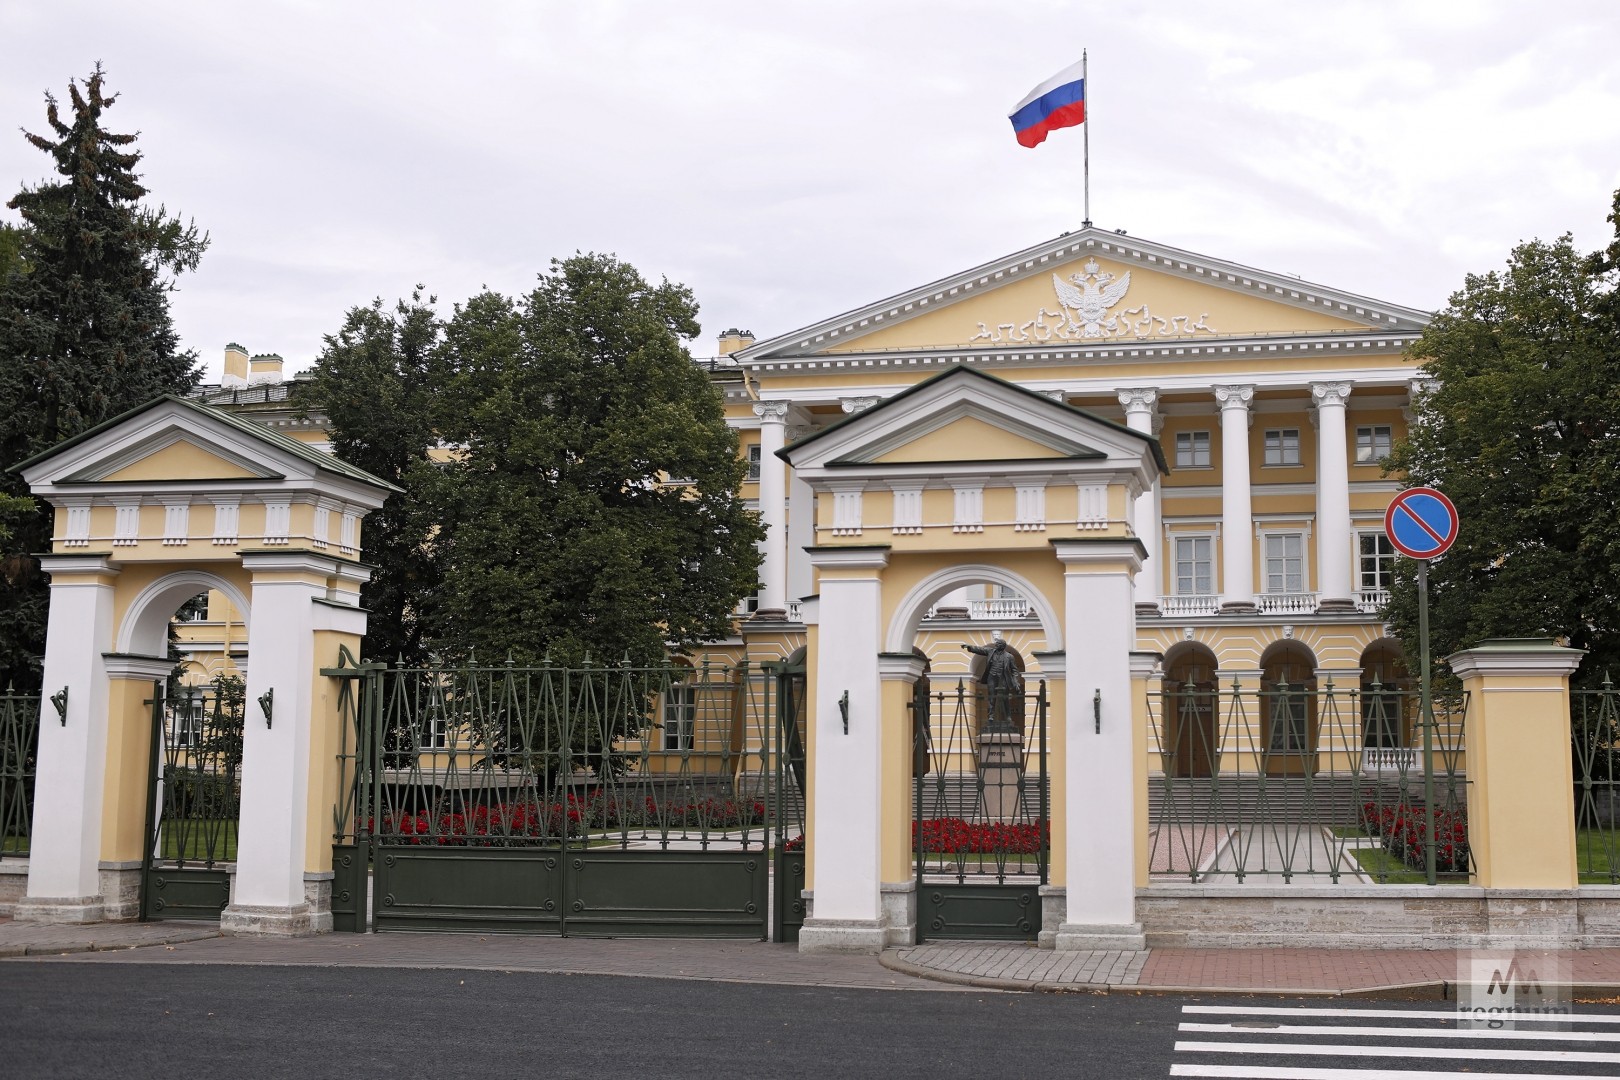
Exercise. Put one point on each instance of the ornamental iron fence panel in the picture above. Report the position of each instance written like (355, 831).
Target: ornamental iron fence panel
(1595, 738)
(194, 800)
(980, 828)
(1270, 782)
(19, 744)
(592, 800)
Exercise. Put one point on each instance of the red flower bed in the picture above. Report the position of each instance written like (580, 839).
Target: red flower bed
(531, 819)
(1404, 829)
(955, 836)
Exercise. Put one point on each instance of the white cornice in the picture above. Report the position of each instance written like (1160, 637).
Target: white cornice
(1308, 296)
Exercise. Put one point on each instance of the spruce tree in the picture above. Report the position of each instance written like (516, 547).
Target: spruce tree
(85, 330)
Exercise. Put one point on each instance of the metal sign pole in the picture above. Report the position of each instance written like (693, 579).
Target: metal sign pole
(1426, 718)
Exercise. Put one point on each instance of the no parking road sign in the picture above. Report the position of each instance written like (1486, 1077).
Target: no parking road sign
(1421, 522)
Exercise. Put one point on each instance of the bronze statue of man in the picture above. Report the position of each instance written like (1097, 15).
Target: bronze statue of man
(1001, 680)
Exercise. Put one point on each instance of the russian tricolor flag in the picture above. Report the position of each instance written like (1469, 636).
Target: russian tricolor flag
(1059, 102)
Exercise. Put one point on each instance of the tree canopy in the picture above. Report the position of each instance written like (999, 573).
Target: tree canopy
(85, 331)
(585, 500)
(1521, 430)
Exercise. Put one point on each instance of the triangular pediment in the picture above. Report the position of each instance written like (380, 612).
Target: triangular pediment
(172, 445)
(1090, 288)
(965, 419)
(172, 454)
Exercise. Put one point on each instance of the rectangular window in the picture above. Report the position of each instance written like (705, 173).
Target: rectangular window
(680, 708)
(1285, 562)
(1377, 560)
(1282, 446)
(1289, 716)
(753, 463)
(1373, 444)
(1195, 566)
(1192, 449)
(186, 722)
(435, 732)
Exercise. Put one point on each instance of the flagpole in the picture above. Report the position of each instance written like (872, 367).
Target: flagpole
(1085, 88)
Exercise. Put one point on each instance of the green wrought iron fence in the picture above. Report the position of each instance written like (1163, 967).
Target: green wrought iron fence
(981, 833)
(1595, 736)
(19, 743)
(583, 800)
(1272, 782)
(195, 800)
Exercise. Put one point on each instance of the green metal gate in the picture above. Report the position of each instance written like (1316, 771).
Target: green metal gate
(610, 801)
(193, 802)
(19, 748)
(980, 829)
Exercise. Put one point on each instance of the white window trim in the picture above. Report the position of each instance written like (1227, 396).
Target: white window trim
(1263, 533)
(1213, 535)
(1210, 448)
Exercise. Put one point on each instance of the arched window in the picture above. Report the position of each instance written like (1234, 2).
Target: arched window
(1288, 708)
(1386, 712)
(1191, 718)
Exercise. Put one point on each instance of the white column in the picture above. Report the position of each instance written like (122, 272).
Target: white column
(268, 895)
(1139, 405)
(1237, 516)
(1332, 498)
(844, 767)
(64, 884)
(773, 506)
(801, 534)
(1099, 625)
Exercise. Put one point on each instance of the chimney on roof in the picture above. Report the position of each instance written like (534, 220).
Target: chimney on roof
(734, 339)
(236, 366)
(266, 368)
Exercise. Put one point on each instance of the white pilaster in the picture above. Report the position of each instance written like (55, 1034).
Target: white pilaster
(1237, 515)
(1332, 498)
(1140, 403)
(70, 779)
(844, 770)
(773, 505)
(1099, 767)
(268, 896)
(801, 534)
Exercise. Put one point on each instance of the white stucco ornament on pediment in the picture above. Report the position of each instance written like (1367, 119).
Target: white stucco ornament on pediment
(1087, 304)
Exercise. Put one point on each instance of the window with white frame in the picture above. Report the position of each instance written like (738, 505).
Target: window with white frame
(1192, 450)
(753, 463)
(1195, 566)
(680, 710)
(1285, 562)
(1373, 444)
(1376, 558)
(1282, 446)
(435, 733)
(186, 720)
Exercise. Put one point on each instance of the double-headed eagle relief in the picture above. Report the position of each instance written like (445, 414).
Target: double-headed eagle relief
(1086, 311)
(1089, 298)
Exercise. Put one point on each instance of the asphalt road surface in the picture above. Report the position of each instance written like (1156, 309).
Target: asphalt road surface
(134, 1021)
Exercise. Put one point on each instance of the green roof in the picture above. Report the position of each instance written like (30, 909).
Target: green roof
(320, 459)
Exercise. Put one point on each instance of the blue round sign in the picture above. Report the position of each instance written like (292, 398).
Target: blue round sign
(1421, 523)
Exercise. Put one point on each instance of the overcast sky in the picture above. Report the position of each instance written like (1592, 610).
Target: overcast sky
(793, 161)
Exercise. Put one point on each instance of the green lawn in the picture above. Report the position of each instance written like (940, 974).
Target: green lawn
(191, 843)
(1597, 856)
(13, 843)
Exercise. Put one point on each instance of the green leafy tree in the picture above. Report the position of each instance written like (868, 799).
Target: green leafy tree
(85, 331)
(1522, 431)
(593, 508)
(376, 382)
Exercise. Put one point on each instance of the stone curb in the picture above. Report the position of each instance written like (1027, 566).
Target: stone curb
(12, 950)
(1434, 989)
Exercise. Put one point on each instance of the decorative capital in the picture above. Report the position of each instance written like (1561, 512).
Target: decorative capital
(1330, 394)
(860, 403)
(1234, 397)
(772, 412)
(1138, 399)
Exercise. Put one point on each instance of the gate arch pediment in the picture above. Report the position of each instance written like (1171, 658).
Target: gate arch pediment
(902, 629)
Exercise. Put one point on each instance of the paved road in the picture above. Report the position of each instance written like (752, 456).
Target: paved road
(132, 1020)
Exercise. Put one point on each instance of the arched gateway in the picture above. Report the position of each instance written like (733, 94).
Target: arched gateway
(153, 508)
(966, 478)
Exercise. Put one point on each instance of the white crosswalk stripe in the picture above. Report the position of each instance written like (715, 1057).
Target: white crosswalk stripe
(1341, 1044)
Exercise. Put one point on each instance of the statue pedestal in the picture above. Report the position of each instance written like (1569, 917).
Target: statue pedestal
(1001, 767)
